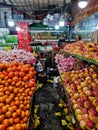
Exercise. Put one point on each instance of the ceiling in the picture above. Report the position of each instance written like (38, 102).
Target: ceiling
(37, 7)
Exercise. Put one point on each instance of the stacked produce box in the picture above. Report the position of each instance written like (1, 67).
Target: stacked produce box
(23, 36)
(81, 85)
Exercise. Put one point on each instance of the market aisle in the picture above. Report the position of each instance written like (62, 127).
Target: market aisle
(46, 100)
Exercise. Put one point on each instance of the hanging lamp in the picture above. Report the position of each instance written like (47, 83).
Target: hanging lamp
(82, 3)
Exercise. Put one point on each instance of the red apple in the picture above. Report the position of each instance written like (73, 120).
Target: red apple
(95, 88)
(90, 124)
(84, 98)
(92, 112)
(95, 93)
(95, 103)
(87, 104)
(75, 106)
(84, 110)
(86, 116)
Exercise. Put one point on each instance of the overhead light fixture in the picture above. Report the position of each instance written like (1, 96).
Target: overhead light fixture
(11, 23)
(17, 28)
(82, 3)
(61, 23)
(56, 27)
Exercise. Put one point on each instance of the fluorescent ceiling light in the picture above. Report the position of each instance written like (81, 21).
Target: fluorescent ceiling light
(11, 23)
(82, 3)
(61, 23)
(56, 27)
(17, 28)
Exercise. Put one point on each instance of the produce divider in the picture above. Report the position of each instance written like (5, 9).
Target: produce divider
(71, 105)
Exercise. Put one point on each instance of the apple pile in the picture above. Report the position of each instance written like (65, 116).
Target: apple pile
(86, 50)
(82, 88)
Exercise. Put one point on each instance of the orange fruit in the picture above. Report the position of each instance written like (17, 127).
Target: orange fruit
(8, 101)
(7, 93)
(22, 114)
(24, 126)
(15, 79)
(11, 74)
(16, 120)
(25, 119)
(11, 121)
(31, 84)
(27, 106)
(18, 112)
(1, 105)
(8, 114)
(27, 112)
(6, 84)
(6, 78)
(21, 106)
(9, 80)
(13, 83)
(29, 76)
(11, 109)
(10, 88)
(4, 109)
(18, 127)
(11, 128)
(21, 74)
(17, 103)
(2, 99)
(6, 122)
(1, 118)
(15, 90)
(25, 79)
(1, 94)
(30, 93)
(15, 108)
(2, 127)
(17, 73)
(2, 76)
(14, 115)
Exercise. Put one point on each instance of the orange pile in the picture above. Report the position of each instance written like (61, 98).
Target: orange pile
(17, 85)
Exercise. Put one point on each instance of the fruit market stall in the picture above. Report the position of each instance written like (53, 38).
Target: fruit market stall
(17, 86)
(80, 82)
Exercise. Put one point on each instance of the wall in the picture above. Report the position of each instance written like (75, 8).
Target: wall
(80, 14)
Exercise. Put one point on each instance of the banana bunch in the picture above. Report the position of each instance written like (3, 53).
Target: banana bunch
(36, 122)
(63, 122)
(65, 110)
(66, 121)
(70, 126)
(58, 114)
(36, 109)
(61, 104)
(68, 118)
(39, 85)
